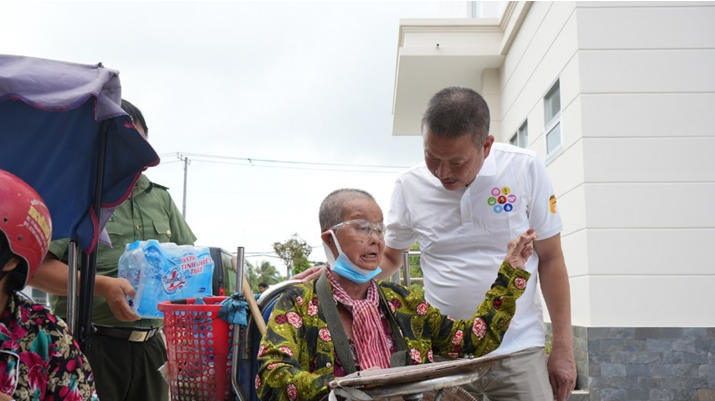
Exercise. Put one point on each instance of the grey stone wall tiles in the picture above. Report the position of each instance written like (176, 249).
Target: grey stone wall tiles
(647, 363)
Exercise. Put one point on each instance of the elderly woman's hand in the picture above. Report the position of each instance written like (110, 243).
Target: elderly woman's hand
(520, 249)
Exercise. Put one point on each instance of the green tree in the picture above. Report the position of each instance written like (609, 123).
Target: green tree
(263, 273)
(267, 273)
(251, 275)
(294, 253)
(416, 270)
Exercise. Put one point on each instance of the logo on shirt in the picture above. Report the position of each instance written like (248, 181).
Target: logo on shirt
(502, 200)
(552, 204)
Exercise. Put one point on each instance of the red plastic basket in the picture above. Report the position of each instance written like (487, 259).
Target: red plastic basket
(199, 346)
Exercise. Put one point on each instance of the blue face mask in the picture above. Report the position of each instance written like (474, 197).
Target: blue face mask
(345, 268)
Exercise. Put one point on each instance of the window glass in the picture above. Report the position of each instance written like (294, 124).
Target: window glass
(524, 135)
(229, 273)
(553, 139)
(552, 103)
(521, 137)
(552, 119)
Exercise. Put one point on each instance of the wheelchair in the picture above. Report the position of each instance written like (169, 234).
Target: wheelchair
(251, 340)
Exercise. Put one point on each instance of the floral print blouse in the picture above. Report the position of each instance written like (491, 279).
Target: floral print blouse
(297, 358)
(39, 359)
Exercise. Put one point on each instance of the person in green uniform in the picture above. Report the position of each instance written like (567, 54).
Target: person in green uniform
(125, 351)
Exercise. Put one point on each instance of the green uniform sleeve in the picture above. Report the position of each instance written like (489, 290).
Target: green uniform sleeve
(59, 247)
(181, 233)
(484, 332)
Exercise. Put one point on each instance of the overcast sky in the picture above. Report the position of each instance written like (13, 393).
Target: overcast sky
(301, 81)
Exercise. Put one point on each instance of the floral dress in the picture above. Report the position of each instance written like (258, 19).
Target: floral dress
(39, 359)
(297, 357)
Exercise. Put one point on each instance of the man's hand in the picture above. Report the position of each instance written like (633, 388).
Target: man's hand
(309, 274)
(116, 291)
(555, 287)
(562, 373)
(520, 249)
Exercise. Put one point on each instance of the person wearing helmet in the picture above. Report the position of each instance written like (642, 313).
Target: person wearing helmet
(39, 359)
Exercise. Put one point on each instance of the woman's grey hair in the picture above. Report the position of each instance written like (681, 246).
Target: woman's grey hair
(456, 111)
(332, 209)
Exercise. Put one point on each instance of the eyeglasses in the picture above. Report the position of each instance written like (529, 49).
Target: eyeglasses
(362, 228)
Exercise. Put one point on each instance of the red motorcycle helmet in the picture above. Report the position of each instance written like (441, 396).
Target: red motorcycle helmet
(26, 225)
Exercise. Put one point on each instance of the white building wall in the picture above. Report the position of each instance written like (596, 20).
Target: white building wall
(544, 50)
(647, 112)
(636, 174)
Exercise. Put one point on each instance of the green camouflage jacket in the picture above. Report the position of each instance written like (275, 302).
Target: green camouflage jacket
(297, 358)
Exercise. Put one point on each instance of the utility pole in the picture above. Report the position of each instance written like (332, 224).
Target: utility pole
(184, 159)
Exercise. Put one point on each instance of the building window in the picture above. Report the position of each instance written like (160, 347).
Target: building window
(552, 118)
(521, 137)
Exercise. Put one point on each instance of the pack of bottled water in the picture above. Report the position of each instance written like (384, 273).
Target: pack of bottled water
(165, 272)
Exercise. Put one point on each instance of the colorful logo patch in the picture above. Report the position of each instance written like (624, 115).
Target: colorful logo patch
(502, 200)
(552, 204)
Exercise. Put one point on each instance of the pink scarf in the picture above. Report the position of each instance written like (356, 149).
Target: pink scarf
(368, 332)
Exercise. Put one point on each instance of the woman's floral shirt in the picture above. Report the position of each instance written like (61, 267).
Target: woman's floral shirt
(297, 358)
(39, 359)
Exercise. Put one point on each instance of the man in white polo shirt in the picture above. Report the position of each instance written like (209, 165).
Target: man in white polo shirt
(469, 198)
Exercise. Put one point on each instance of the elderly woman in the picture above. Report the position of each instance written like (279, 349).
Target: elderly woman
(345, 321)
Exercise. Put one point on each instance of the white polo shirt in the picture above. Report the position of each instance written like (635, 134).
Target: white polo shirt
(463, 234)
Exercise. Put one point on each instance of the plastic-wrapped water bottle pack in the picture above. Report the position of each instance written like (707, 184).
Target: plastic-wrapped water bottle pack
(165, 272)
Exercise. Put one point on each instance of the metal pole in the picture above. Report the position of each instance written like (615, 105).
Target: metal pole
(237, 332)
(186, 171)
(239, 268)
(89, 261)
(72, 253)
(406, 269)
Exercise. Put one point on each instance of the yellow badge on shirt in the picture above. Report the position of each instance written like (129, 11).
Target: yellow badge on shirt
(552, 204)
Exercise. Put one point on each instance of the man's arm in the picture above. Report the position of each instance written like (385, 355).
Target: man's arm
(52, 277)
(557, 294)
(391, 262)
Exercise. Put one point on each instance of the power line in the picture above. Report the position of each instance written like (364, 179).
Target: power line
(271, 254)
(187, 158)
(253, 161)
(345, 170)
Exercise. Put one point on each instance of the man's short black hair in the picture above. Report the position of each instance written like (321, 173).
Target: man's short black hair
(457, 111)
(262, 284)
(135, 114)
